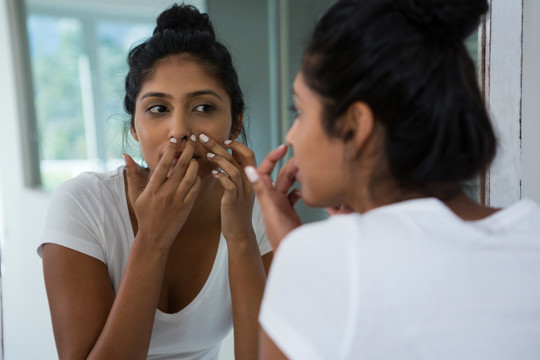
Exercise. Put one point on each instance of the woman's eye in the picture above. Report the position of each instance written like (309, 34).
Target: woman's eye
(294, 110)
(203, 108)
(157, 109)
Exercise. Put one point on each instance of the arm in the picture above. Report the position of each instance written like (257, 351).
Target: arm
(247, 270)
(269, 350)
(88, 320)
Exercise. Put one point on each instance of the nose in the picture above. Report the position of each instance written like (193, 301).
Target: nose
(291, 134)
(179, 127)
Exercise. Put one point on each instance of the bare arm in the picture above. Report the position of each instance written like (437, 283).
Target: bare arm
(269, 350)
(88, 320)
(247, 270)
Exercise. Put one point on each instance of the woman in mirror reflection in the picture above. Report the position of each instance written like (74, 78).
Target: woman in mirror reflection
(390, 123)
(159, 262)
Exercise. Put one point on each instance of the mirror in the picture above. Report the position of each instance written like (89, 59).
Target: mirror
(77, 55)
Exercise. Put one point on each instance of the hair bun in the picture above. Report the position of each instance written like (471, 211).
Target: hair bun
(451, 19)
(184, 18)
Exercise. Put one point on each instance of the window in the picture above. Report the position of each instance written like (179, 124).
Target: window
(78, 65)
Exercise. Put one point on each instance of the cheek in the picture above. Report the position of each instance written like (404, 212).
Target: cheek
(217, 130)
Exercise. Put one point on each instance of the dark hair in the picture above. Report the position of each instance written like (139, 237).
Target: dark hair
(182, 29)
(406, 59)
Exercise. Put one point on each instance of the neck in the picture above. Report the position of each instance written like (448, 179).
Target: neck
(467, 209)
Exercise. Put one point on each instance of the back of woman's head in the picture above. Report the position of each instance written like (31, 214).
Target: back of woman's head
(182, 29)
(407, 61)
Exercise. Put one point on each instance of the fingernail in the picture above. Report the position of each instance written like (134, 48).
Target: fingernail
(193, 137)
(227, 142)
(251, 174)
(211, 155)
(173, 140)
(125, 159)
(282, 146)
(203, 138)
(215, 172)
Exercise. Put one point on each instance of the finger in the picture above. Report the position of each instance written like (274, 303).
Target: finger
(229, 186)
(179, 169)
(286, 176)
(262, 185)
(193, 191)
(187, 181)
(270, 161)
(164, 165)
(241, 153)
(136, 182)
(233, 172)
(294, 196)
(215, 148)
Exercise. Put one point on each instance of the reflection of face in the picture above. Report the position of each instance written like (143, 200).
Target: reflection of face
(319, 157)
(179, 99)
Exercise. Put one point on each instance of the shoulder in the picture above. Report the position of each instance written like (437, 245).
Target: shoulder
(322, 235)
(323, 248)
(89, 187)
(313, 262)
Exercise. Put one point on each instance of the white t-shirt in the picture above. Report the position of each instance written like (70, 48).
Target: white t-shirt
(89, 214)
(408, 281)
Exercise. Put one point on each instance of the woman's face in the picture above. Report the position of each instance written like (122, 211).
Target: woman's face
(319, 158)
(179, 99)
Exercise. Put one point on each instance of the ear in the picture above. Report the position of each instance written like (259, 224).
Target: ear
(357, 125)
(236, 129)
(134, 133)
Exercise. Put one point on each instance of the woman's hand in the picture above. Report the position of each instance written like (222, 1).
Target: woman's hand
(237, 201)
(163, 201)
(276, 200)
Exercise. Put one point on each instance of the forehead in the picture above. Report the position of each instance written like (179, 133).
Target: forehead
(180, 74)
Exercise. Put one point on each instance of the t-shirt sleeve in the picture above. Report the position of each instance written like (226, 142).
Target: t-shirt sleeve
(308, 299)
(72, 219)
(260, 232)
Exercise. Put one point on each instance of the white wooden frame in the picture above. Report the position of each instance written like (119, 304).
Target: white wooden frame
(501, 60)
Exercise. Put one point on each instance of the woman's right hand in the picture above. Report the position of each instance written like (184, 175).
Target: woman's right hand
(163, 202)
(276, 200)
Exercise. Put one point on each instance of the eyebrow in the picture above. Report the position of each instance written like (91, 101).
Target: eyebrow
(190, 95)
(204, 92)
(156, 94)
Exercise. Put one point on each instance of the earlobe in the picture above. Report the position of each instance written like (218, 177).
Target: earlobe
(236, 128)
(134, 133)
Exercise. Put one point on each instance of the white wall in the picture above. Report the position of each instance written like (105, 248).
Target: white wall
(531, 100)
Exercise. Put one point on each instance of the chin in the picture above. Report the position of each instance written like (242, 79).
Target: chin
(312, 201)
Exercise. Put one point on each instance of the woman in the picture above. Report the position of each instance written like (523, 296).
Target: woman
(160, 262)
(390, 123)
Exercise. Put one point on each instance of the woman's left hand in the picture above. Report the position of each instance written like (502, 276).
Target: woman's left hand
(237, 201)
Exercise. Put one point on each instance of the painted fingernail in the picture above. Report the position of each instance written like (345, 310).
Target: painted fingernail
(193, 137)
(211, 155)
(215, 172)
(228, 142)
(173, 140)
(251, 174)
(203, 138)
